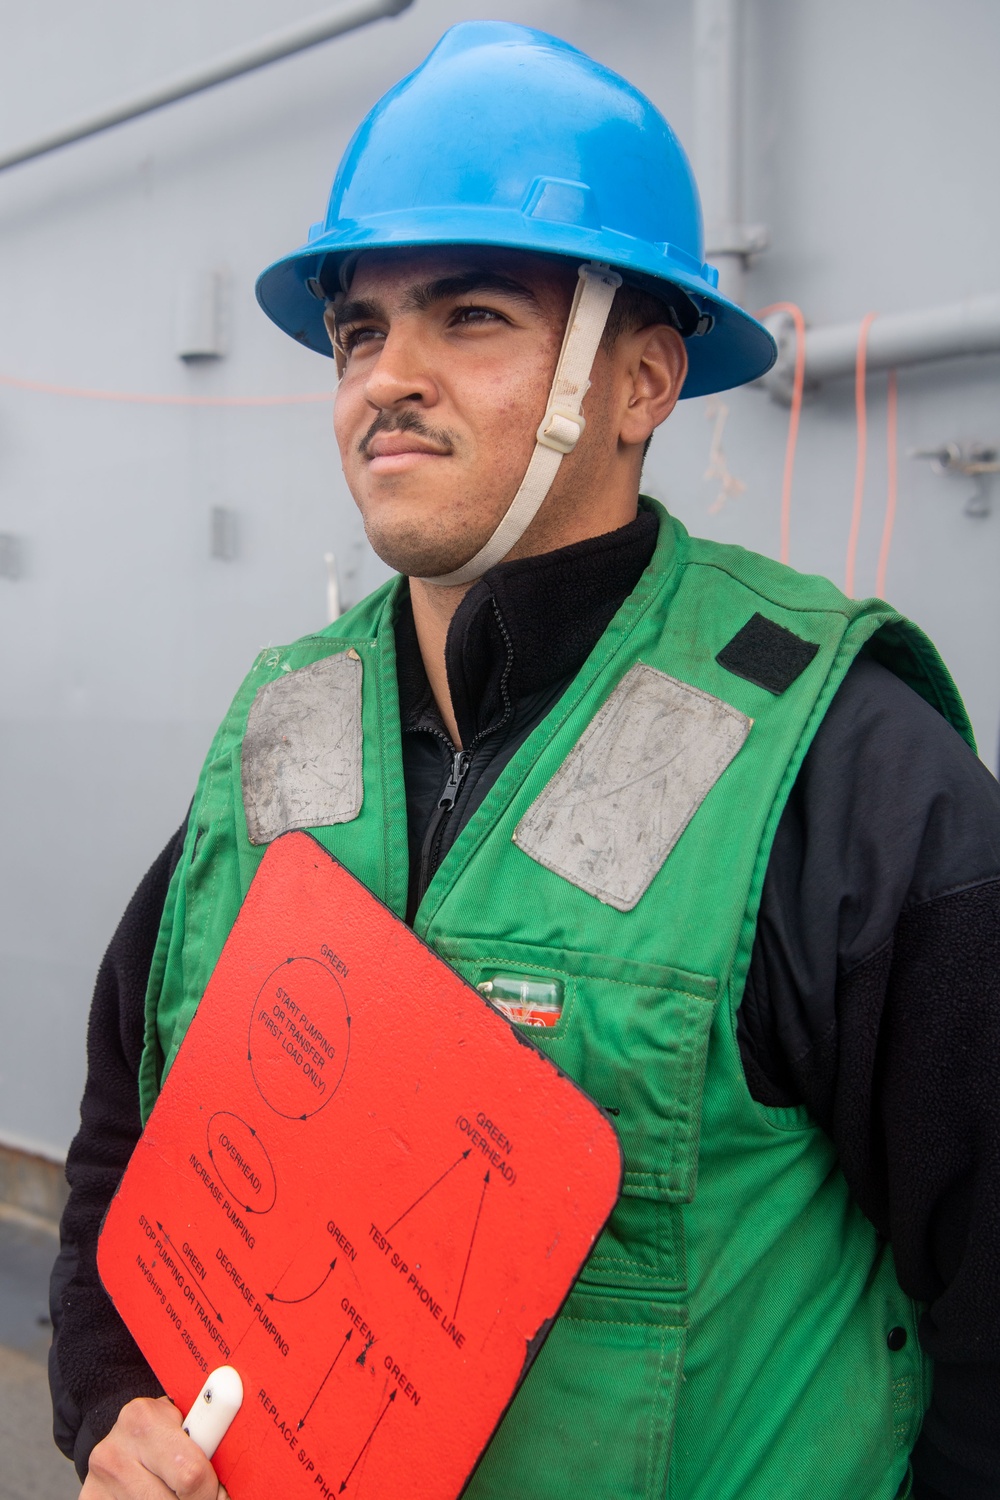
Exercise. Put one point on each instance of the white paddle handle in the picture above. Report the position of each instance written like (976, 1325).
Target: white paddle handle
(215, 1406)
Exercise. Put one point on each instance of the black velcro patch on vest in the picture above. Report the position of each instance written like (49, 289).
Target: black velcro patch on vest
(767, 654)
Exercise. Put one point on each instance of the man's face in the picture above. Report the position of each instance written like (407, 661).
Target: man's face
(450, 355)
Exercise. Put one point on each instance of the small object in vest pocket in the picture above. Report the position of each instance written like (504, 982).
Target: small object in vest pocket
(528, 1002)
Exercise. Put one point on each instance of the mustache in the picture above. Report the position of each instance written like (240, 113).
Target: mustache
(405, 421)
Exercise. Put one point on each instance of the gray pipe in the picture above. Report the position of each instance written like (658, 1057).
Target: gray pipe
(913, 338)
(717, 145)
(719, 142)
(347, 17)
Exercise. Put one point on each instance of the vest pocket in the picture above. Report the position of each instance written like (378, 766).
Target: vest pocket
(595, 1415)
(641, 1248)
(635, 1036)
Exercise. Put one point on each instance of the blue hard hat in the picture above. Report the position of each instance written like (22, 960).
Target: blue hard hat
(508, 136)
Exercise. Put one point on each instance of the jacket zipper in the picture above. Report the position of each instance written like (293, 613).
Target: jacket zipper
(429, 854)
(461, 760)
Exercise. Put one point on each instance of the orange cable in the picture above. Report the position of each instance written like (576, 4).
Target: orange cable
(861, 413)
(892, 454)
(141, 398)
(798, 381)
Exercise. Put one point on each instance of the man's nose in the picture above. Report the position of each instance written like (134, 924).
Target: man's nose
(401, 374)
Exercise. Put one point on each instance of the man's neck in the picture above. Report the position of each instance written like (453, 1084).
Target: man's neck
(433, 609)
(556, 527)
(543, 597)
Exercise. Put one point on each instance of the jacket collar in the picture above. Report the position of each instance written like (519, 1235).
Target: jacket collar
(522, 627)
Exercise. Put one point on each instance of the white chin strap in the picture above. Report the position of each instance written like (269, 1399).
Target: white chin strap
(560, 428)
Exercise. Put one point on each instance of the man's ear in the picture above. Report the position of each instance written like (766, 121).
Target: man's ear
(654, 366)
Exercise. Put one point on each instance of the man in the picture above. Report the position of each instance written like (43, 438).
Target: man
(682, 790)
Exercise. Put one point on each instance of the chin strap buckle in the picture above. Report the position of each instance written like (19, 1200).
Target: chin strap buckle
(560, 428)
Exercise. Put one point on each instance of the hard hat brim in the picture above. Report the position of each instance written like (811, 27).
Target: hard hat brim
(735, 350)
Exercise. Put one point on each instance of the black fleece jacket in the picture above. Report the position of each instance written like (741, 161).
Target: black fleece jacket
(873, 995)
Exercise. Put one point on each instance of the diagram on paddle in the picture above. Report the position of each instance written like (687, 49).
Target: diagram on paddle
(362, 1189)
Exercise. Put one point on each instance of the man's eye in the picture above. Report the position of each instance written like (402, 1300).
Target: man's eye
(351, 339)
(466, 316)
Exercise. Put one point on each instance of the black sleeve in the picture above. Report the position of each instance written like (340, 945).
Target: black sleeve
(95, 1366)
(874, 998)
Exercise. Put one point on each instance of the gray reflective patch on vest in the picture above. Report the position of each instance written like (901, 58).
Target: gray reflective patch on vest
(302, 750)
(631, 784)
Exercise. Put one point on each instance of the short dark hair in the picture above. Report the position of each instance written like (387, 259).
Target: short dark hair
(635, 307)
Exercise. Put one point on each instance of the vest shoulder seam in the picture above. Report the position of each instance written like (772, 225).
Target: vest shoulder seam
(839, 607)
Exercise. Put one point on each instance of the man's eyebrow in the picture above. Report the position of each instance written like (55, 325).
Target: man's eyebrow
(362, 309)
(424, 295)
(419, 298)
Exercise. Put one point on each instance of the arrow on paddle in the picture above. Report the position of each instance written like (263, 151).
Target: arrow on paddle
(472, 1241)
(291, 1301)
(367, 1440)
(201, 1289)
(326, 1377)
(426, 1191)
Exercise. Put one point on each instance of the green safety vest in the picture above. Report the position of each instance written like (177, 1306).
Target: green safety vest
(727, 1339)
